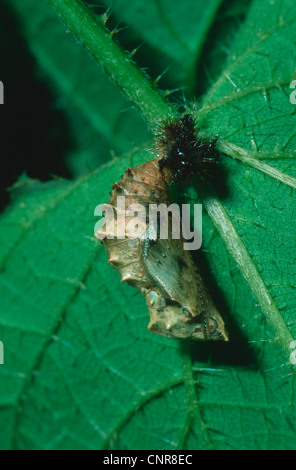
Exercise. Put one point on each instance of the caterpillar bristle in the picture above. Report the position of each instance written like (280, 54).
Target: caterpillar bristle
(182, 152)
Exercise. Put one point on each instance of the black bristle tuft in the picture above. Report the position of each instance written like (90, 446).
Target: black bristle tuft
(182, 152)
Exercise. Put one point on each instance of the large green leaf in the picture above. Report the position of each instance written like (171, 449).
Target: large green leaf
(81, 370)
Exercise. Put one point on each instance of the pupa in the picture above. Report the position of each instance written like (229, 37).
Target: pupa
(161, 270)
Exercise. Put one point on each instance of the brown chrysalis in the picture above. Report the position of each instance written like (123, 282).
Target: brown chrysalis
(160, 269)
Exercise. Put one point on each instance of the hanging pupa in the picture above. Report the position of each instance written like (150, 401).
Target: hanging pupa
(160, 269)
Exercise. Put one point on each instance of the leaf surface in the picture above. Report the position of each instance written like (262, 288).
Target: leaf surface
(81, 370)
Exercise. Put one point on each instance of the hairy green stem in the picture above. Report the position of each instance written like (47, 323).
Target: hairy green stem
(90, 30)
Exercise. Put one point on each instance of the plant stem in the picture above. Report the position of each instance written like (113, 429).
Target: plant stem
(236, 247)
(90, 30)
(249, 157)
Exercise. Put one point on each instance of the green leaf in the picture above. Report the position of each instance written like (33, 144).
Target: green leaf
(81, 370)
(102, 122)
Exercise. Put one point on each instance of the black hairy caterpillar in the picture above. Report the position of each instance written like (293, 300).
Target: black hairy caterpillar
(160, 269)
(182, 152)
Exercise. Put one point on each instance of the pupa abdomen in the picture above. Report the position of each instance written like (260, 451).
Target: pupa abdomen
(160, 269)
